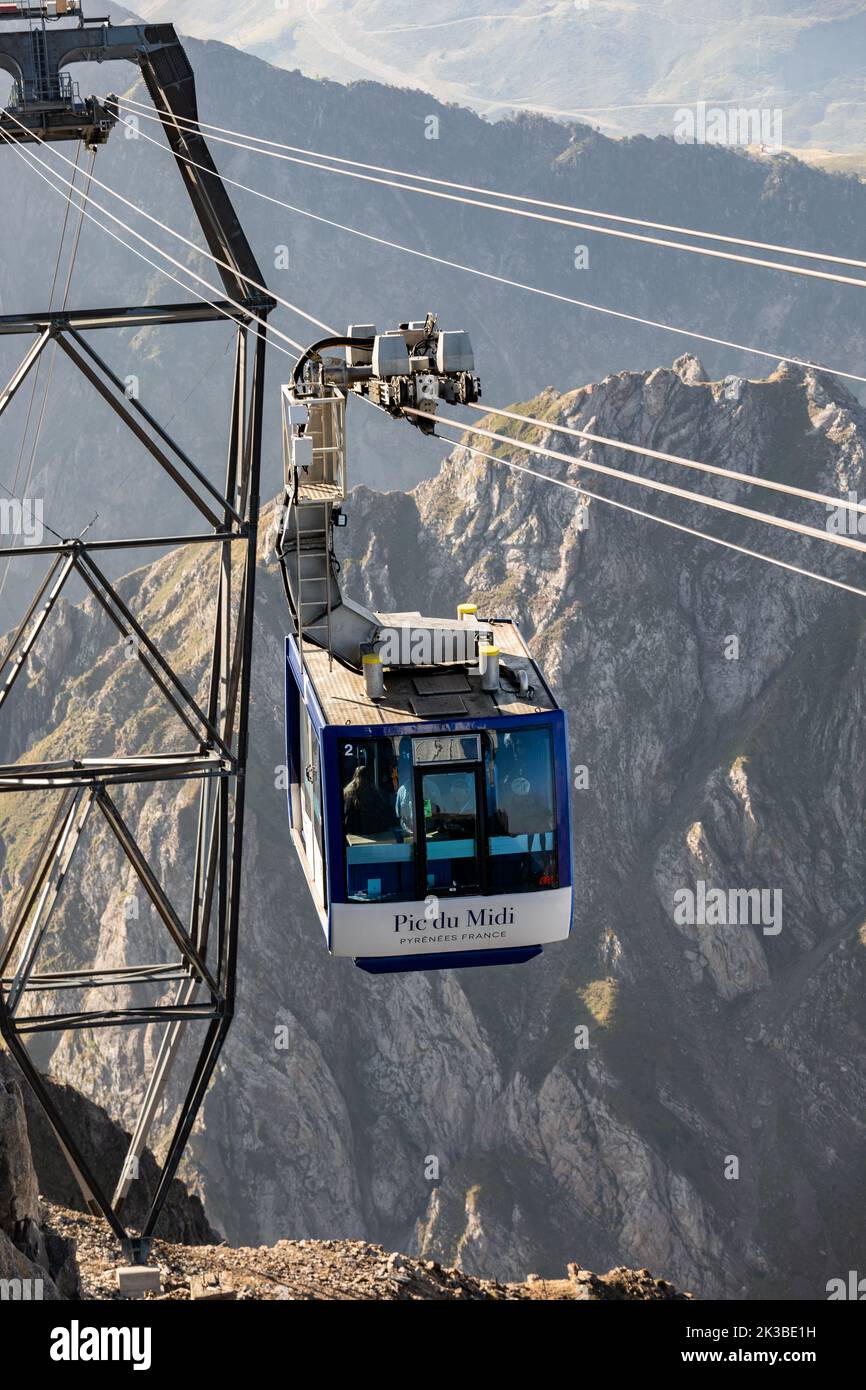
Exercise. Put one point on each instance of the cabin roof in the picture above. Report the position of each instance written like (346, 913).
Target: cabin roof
(428, 694)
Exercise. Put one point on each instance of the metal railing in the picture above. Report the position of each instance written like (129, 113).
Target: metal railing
(60, 90)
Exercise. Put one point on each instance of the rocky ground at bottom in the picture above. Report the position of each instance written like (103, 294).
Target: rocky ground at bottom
(325, 1270)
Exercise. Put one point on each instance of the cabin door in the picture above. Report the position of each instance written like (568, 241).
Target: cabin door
(451, 802)
(311, 806)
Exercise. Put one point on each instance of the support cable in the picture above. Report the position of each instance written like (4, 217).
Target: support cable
(502, 279)
(651, 516)
(799, 528)
(13, 493)
(243, 312)
(496, 193)
(163, 226)
(751, 479)
(544, 217)
(782, 523)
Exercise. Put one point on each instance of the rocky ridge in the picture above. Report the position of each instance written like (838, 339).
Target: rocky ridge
(33, 1256)
(40, 1157)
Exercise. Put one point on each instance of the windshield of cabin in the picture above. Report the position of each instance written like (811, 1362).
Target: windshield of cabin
(449, 815)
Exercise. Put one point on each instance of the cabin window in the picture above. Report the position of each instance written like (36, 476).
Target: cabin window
(378, 819)
(449, 814)
(521, 811)
(451, 830)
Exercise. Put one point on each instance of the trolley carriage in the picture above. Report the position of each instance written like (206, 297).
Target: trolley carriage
(428, 765)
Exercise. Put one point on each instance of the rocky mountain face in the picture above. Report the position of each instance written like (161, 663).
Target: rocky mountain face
(625, 67)
(50, 1249)
(711, 1126)
(104, 1142)
(40, 1262)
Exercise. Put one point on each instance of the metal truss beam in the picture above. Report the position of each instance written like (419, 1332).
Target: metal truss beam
(129, 412)
(118, 975)
(94, 772)
(130, 543)
(144, 316)
(113, 1018)
(19, 376)
(201, 937)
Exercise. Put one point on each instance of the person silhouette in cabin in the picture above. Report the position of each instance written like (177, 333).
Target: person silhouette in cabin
(367, 810)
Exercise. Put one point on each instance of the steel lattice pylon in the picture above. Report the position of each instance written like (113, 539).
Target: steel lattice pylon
(204, 933)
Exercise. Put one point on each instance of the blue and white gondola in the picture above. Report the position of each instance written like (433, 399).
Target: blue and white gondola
(433, 823)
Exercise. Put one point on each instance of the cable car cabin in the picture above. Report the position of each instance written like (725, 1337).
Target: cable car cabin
(432, 823)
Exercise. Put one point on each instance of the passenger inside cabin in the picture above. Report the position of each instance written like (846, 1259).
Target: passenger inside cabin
(368, 811)
(406, 808)
(453, 795)
(405, 799)
(449, 806)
